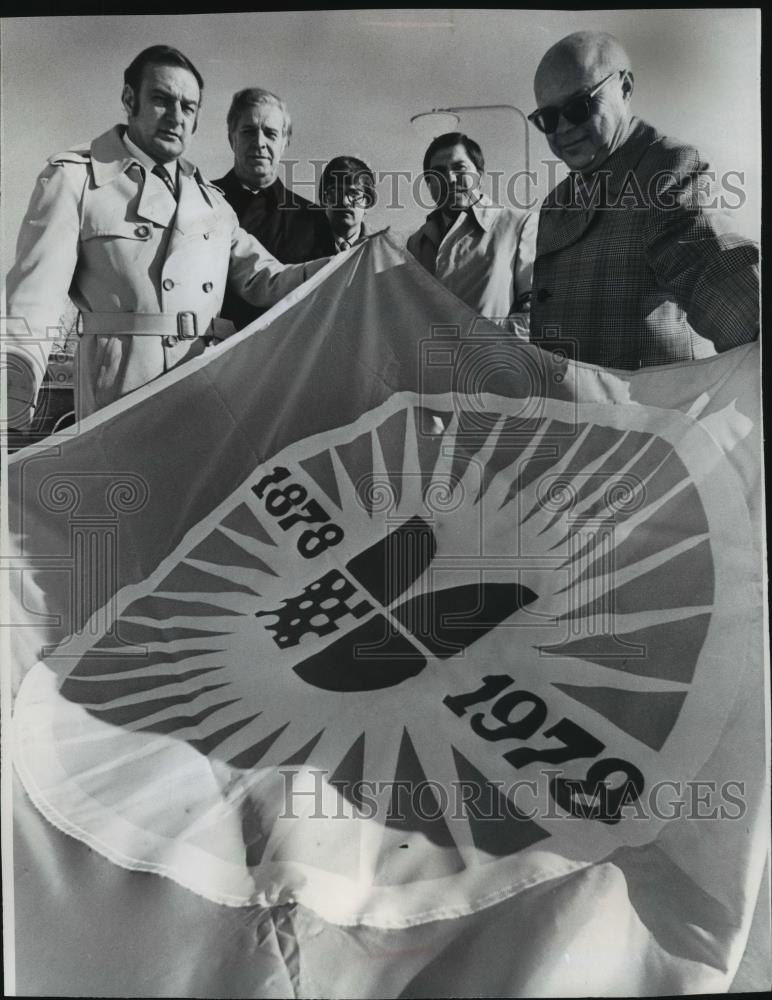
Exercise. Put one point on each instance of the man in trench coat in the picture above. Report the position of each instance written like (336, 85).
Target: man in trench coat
(141, 242)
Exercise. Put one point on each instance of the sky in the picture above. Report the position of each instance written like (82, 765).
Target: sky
(354, 78)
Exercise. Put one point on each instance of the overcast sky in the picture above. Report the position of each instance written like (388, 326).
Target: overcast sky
(354, 78)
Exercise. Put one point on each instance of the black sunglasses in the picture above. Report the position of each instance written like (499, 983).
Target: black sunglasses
(576, 111)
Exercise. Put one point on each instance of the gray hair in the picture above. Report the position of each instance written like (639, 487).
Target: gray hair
(250, 96)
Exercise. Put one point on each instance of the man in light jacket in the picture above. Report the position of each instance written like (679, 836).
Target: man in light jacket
(141, 242)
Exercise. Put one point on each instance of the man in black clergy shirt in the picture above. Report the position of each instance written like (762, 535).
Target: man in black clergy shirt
(288, 226)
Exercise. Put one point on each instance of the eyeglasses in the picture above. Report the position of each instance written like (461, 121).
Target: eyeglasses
(355, 197)
(576, 111)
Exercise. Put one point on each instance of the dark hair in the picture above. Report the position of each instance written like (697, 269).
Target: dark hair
(158, 55)
(341, 169)
(250, 96)
(472, 148)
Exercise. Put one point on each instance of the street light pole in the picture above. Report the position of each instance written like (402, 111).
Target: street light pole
(492, 107)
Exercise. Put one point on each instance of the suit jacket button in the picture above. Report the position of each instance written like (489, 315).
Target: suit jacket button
(168, 284)
(142, 232)
(207, 286)
(542, 295)
(170, 341)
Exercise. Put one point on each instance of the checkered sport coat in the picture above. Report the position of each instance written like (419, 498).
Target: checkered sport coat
(634, 267)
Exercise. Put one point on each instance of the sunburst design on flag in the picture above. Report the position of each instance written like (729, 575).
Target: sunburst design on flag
(381, 608)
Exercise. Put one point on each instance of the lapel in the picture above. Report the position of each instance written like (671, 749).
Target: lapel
(483, 213)
(435, 229)
(193, 204)
(156, 202)
(564, 219)
(560, 225)
(111, 160)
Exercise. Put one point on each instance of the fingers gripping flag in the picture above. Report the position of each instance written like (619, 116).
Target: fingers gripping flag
(432, 651)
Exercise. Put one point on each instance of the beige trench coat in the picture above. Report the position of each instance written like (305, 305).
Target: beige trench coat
(111, 236)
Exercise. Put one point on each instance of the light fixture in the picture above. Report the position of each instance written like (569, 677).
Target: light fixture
(442, 121)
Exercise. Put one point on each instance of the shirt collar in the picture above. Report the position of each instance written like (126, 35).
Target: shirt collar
(341, 243)
(147, 161)
(481, 213)
(110, 157)
(271, 192)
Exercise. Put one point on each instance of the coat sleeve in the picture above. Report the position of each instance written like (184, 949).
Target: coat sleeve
(711, 272)
(258, 277)
(38, 283)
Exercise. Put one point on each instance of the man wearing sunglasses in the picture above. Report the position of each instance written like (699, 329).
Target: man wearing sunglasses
(480, 251)
(631, 269)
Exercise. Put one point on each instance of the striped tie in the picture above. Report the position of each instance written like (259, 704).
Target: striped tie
(163, 173)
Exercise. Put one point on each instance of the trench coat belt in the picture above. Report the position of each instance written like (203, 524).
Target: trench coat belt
(184, 325)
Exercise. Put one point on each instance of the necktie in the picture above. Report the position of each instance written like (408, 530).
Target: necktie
(163, 173)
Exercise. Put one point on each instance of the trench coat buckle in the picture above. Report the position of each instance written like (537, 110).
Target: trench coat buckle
(187, 325)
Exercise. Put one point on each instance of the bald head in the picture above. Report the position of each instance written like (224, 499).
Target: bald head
(593, 52)
(576, 66)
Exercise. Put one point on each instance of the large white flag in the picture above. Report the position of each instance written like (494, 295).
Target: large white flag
(417, 660)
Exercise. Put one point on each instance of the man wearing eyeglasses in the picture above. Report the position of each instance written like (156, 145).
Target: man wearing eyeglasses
(630, 267)
(480, 251)
(346, 191)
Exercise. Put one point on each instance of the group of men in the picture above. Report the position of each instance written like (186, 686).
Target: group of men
(623, 261)
(291, 228)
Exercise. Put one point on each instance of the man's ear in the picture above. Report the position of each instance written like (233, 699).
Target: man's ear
(128, 100)
(230, 140)
(628, 84)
